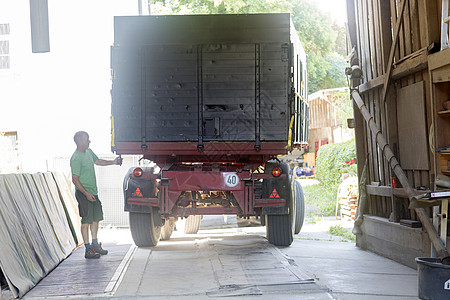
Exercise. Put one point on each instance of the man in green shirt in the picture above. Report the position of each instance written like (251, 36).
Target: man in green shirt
(89, 205)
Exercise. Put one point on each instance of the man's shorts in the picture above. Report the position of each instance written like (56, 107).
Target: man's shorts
(89, 211)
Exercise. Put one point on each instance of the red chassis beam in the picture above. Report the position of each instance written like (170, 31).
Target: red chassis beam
(183, 211)
(226, 178)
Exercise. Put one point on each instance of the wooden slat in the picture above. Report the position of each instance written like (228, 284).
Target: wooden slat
(407, 28)
(372, 39)
(427, 180)
(359, 34)
(351, 22)
(391, 53)
(373, 142)
(385, 130)
(415, 30)
(378, 44)
(366, 46)
(386, 37)
(401, 34)
(393, 19)
(379, 156)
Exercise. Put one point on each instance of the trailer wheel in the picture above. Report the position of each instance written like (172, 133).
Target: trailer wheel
(167, 229)
(192, 224)
(299, 207)
(143, 229)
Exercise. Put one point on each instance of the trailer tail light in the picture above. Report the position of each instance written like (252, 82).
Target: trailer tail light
(276, 172)
(138, 172)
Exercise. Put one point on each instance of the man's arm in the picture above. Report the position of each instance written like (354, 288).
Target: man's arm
(80, 187)
(104, 162)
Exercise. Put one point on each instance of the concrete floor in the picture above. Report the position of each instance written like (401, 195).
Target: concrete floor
(224, 260)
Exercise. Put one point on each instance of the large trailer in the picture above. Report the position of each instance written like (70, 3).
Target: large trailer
(213, 101)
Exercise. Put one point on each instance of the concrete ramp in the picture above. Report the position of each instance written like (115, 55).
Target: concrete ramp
(80, 277)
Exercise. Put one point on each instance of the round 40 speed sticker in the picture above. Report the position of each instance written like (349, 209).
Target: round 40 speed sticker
(231, 179)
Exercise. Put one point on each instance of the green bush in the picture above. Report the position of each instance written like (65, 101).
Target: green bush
(322, 197)
(335, 159)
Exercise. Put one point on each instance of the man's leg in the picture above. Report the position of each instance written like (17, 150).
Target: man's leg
(85, 233)
(95, 244)
(94, 230)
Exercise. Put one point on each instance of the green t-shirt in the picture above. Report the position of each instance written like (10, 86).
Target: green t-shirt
(82, 165)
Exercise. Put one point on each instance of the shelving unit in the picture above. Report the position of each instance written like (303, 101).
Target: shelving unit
(440, 78)
(442, 123)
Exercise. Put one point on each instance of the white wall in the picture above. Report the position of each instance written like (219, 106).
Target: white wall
(47, 97)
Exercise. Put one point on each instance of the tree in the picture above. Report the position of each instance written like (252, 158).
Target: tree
(322, 38)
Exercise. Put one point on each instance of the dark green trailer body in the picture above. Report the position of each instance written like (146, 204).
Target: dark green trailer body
(211, 99)
(208, 78)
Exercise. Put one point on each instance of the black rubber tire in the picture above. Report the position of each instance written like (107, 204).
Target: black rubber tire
(279, 230)
(167, 229)
(192, 224)
(299, 207)
(143, 229)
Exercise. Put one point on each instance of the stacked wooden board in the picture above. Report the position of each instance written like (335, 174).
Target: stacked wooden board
(38, 218)
(347, 198)
(348, 207)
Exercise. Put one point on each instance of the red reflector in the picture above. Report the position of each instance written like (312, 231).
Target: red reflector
(276, 172)
(138, 172)
(274, 194)
(137, 193)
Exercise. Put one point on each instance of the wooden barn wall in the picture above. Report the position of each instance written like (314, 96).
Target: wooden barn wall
(321, 114)
(371, 29)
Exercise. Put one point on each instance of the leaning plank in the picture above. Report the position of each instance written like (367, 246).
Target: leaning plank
(55, 211)
(69, 204)
(19, 266)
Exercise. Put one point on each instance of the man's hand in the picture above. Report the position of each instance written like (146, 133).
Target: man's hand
(118, 161)
(90, 197)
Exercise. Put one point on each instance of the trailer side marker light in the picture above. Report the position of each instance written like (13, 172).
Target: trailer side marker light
(274, 194)
(137, 193)
(276, 172)
(138, 172)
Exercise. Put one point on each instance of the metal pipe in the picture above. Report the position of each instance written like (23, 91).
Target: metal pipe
(393, 162)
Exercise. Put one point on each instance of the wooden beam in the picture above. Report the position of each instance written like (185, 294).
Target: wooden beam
(404, 68)
(388, 191)
(391, 54)
(411, 66)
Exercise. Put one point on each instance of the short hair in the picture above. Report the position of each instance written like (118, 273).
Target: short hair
(78, 135)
